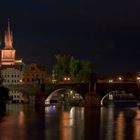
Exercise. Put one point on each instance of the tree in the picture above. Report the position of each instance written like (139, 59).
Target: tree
(86, 70)
(61, 68)
(77, 70)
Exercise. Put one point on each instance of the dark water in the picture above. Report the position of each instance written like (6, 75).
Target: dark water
(23, 122)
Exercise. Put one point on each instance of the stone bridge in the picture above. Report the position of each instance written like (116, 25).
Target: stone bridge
(101, 88)
(82, 88)
(105, 88)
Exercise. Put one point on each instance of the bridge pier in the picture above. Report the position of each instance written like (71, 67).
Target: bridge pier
(92, 99)
(40, 97)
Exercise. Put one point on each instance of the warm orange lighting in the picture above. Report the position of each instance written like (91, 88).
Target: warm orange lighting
(18, 61)
(8, 40)
(67, 126)
(110, 80)
(66, 78)
(138, 78)
(21, 118)
(137, 125)
(8, 53)
(120, 78)
(120, 127)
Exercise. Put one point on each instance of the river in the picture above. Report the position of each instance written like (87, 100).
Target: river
(23, 122)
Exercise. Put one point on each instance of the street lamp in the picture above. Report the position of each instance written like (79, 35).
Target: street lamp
(120, 78)
(138, 79)
(66, 79)
(110, 80)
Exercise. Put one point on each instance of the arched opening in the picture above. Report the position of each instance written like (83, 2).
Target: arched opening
(64, 96)
(119, 97)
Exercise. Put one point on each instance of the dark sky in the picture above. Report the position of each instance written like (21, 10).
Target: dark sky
(106, 32)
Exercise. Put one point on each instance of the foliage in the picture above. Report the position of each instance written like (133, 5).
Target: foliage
(68, 66)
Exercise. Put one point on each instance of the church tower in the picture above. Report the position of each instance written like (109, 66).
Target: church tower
(8, 52)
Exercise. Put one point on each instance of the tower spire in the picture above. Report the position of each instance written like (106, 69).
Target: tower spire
(8, 52)
(8, 29)
(8, 39)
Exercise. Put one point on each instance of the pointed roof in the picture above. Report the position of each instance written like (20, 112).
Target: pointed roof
(8, 39)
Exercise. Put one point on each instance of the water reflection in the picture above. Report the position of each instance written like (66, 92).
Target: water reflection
(119, 123)
(92, 123)
(120, 126)
(72, 124)
(12, 125)
(107, 122)
(23, 122)
(137, 126)
(66, 126)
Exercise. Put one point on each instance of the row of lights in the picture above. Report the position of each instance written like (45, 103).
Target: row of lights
(66, 79)
(111, 80)
(120, 79)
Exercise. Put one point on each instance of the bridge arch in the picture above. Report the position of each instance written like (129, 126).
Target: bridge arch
(66, 93)
(117, 92)
(104, 88)
(47, 101)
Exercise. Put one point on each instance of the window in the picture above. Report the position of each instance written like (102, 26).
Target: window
(32, 68)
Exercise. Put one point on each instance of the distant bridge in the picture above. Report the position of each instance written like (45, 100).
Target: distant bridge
(102, 89)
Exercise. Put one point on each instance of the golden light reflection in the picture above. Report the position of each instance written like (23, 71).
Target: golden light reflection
(110, 123)
(66, 127)
(137, 126)
(120, 126)
(21, 118)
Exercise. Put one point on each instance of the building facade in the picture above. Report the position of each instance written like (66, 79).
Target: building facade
(34, 74)
(11, 72)
(14, 72)
(8, 52)
(11, 76)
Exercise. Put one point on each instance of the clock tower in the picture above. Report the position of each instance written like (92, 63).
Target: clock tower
(8, 52)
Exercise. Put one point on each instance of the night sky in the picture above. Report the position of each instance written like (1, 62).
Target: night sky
(105, 32)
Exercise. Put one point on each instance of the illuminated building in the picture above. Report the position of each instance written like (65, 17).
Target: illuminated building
(8, 52)
(11, 66)
(34, 74)
(11, 76)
